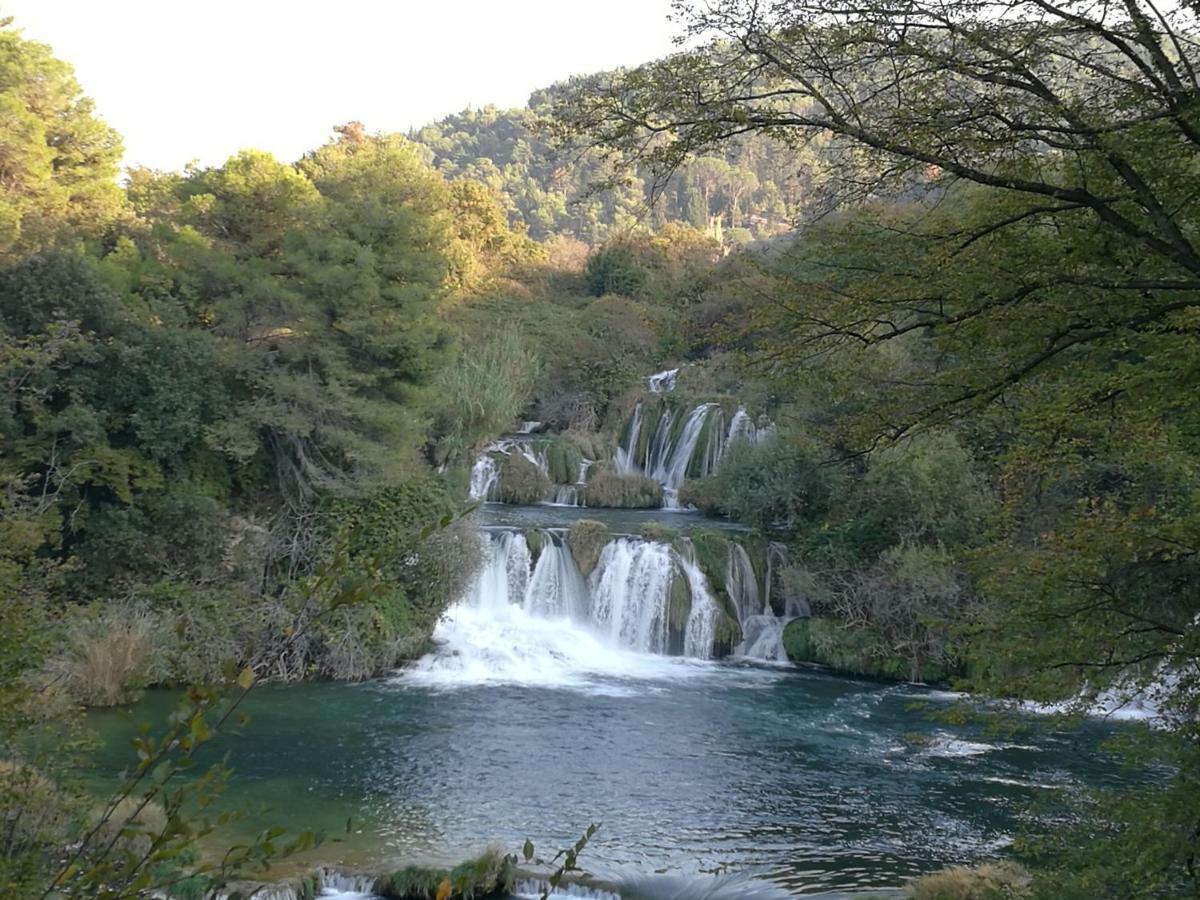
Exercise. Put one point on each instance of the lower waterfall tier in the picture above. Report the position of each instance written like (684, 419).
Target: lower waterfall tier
(534, 617)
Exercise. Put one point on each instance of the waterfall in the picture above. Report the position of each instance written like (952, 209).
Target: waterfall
(701, 628)
(669, 459)
(486, 475)
(556, 588)
(663, 382)
(531, 617)
(630, 589)
(626, 453)
(546, 625)
(485, 478)
(762, 638)
(742, 585)
(762, 629)
(692, 447)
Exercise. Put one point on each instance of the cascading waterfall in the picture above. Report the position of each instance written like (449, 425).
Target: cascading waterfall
(532, 618)
(700, 631)
(688, 448)
(625, 458)
(663, 382)
(670, 456)
(556, 588)
(762, 629)
(485, 478)
(742, 585)
(630, 589)
(486, 474)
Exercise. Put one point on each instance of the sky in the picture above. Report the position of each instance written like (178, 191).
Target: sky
(186, 81)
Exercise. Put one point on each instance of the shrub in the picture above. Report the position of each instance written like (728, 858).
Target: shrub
(586, 541)
(489, 875)
(990, 881)
(858, 649)
(33, 812)
(521, 481)
(608, 488)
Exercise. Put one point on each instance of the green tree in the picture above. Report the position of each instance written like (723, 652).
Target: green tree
(58, 162)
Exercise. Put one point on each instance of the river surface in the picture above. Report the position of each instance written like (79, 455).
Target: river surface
(815, 782)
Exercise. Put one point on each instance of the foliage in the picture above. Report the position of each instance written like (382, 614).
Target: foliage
(59, 160)
(522, 480)
(483, 393)
(778, 482)
(607, 487)
(490, 875)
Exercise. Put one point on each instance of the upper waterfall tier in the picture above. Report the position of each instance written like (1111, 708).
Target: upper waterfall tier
(661, 445)
(669, 443)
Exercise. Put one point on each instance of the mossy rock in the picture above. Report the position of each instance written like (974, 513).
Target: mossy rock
(490, 875)
(521, 481)
(564, 460)
(658, 532)
(610, 489)
(586, 541)
(727, 634)
(535, 540)
(679, 607)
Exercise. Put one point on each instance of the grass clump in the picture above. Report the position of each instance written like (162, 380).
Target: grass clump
(586, 541)
(109, 656)
(990, 881)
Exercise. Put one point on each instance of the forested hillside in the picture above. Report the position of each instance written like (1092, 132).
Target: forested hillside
(750, 189)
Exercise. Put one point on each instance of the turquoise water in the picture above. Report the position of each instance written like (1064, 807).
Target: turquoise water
(815, 782)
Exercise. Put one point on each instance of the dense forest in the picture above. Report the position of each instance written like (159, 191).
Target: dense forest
(949, 258)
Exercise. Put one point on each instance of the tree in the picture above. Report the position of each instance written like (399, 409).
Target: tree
(58, 162)
(1015, 185)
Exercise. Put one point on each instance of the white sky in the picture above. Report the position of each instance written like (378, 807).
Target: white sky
(201, 80)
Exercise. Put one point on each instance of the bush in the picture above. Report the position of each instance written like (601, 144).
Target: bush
(778, 482)
(854, 649)
(990, 881)
(521, 481)
(608, 488)
(489, 875)
(586, 541)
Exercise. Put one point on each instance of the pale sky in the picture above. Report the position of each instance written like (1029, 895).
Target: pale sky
(200, 80)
